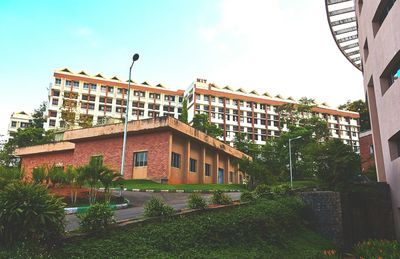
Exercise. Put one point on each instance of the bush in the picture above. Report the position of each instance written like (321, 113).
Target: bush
(39, 175)
(282, 189)
(195, 201)
(10, 174)
(98, 217)
(56, 175)
(220, 198)
(29, 213)
(377, 249)
(156, 208)
(247, 197)
(263, 191)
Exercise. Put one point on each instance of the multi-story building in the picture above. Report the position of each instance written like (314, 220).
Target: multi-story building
(232, 110)
(376, 39)
(18, 120)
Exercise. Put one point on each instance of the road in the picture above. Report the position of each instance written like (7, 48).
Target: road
(138, 199)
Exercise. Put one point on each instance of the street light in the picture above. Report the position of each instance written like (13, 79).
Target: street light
(290, 160)
(134, 58)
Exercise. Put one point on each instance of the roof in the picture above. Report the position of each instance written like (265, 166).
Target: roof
(134, 127)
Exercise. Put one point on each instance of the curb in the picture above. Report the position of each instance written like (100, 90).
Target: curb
(75, 210)
(177, 191)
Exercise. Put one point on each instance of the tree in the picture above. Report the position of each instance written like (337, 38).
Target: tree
(68, 110)
(107, 177)
(336, 164)
(362, 108)
(38, 116)
(202, 123)
(184, 114)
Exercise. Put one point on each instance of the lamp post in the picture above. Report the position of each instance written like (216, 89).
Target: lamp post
(290, 160)
(134, 58)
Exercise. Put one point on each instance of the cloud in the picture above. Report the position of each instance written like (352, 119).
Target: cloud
(83, 32)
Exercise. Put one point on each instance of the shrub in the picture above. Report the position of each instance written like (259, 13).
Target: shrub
(29, 213)
(263, 191)
(10, 174)
(377, 249)
(56, 175)
(98, 217)
(156, 208)
(247, 197)
(220, 198)
(195, 201)
(39, 175)
(282, 189)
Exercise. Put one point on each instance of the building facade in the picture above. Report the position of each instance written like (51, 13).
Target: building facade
(162, 149)
(18, 120)
(379, 36)
(99, 100)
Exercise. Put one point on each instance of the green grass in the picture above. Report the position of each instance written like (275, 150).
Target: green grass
(150, 185)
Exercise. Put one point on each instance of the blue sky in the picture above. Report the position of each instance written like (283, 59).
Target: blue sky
(279, 46)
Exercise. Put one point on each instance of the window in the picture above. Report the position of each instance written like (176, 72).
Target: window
(58, 81)
(208, 170)
(180, 99)
(97, 160)
(193, 165)
(111, 89)
(52, 123)
(151, 95)
(85, 86)
(381, 12)
(140, 159)
(206, 98)
(92, 86)
(366, 51)
(175, 160)
(391, 74)
(158, 96)
(221, 100)
(103, 89)
(76, 84)
(198, 97)
(52, 113)
(68, 83)
(54, 101)
(13, 124)
(371, 149)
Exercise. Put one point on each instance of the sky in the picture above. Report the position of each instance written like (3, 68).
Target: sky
(277, 46)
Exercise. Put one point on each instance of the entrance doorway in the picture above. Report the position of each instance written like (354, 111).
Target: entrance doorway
(220, 175)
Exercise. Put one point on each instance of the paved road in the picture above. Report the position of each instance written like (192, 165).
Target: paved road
(138, 199)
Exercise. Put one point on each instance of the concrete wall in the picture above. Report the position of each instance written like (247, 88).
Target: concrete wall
(384, 106)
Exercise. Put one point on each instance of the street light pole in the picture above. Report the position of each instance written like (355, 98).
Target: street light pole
(134, 58)
(290, 160)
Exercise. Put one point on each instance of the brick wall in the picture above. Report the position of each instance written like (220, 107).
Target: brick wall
(46, 159)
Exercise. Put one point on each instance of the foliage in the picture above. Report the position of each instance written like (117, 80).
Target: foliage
(247, 196)
(39, 174)
(256, 230)
(38, 116)
(371, 174)
(195, 201)
(9, 175)
(184, 114)
(336, 165)
(98, 217)
(361, 107)
(93, 173)
(156, 208)
(22, 138)
(201, 122)
(73, 179)
(263, 191)
(377, 249)
(85, 121)
(107, 177)
(56, 175)
(68, 110)
(220, 198)
(29, 213)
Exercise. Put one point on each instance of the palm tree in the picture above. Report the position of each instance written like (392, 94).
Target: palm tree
(74, 180)
(107, 177)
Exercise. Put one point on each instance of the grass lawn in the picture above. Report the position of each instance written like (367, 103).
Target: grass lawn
(150, 185)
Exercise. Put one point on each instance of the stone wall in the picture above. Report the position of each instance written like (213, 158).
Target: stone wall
(327, 214)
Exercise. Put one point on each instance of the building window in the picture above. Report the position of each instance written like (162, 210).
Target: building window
(85, 86)
(140, 159)
(371, 149)
(92, 86)
(13, 124)
(381, 12)
(52, 123)
(208, 170)
(68, 83)
(175, 160)
(58, 81)
(391, 74)
(180, 99)
(103, 89)
(97, 160)
(193, 165)
(198, 96)
(54, 101)
(206, 98)
(76, 84)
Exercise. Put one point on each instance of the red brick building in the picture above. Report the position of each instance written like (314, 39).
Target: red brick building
(161, 149)
(366, 151)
